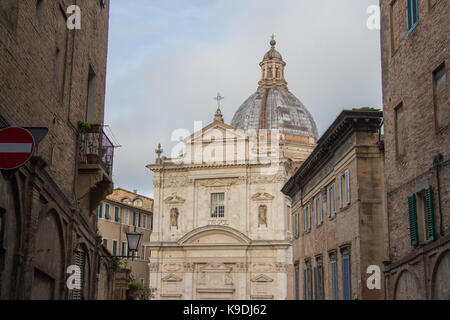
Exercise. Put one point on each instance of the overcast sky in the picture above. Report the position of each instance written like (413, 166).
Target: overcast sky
(168, 59)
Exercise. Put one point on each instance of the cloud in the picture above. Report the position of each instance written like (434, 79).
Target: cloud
(168, 59)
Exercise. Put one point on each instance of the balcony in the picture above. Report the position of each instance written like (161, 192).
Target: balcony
(95, 167)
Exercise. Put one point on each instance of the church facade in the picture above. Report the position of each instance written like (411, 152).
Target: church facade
(222, 227)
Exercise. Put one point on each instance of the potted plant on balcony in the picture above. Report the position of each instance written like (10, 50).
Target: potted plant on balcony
(89, 131)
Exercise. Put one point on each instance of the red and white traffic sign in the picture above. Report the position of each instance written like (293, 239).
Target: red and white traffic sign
(16, 147)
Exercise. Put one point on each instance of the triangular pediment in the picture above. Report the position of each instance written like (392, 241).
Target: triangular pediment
(171, 278)
(174, 199)
(262, 196)
(216, 267)
(262, 278)
(218, 130)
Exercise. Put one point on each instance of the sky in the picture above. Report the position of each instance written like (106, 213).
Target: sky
(167, 60)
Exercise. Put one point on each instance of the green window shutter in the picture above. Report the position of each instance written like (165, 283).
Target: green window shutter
(100, 209)
(412, 210)
(429, 214)
(116, 214)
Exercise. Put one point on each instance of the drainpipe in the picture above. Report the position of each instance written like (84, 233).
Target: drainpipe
(436, 162)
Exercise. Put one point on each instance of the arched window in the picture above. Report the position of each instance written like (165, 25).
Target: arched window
(270, 73)
(126, 200)
(137, 202)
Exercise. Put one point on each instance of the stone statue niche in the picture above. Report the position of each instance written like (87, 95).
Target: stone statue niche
(174, 214)
(262, 215)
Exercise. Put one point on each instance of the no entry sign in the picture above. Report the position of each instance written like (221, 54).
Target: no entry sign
(16, 147)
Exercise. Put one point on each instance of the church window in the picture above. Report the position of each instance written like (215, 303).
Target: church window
(440, 93)
(412, 14)
(217, 205)
(277, 73)
(270, 73)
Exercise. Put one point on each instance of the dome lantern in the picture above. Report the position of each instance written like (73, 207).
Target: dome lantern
(272, 68)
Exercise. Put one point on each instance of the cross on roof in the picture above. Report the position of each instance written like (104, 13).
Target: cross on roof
(218, 99)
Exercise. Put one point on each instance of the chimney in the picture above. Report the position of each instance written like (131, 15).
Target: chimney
(135, 191)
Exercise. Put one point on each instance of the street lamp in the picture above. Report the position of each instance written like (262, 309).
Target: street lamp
(134, 238)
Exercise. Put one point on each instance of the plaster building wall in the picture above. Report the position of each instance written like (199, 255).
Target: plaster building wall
(415, 63)
(114, 229)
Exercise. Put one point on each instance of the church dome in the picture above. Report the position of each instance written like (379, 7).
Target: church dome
(273, 106)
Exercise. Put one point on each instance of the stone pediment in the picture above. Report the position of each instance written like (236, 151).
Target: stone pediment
(216, 267)
(218, 182)
(172, 278)
(262, 196)
(218, 131)
(262, 278)
(174, 199)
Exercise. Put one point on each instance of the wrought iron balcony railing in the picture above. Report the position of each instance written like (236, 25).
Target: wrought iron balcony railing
(97, 148)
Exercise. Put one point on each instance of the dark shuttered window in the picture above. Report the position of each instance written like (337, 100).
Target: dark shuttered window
(100, 210)
(429, 215)
(412, 14)
(412, 212)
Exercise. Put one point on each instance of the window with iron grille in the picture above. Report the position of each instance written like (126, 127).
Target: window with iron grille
(80, 261)
(217, 205)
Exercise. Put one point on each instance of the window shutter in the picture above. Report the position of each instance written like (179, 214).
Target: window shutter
(116, 214)
(320, 209)
(339, 192)
(429, 214)
(309, 276)
(304, 220)
(316, 284)
(328, 202)
(347, 186)
(412, 210)
(100, 209)
(334, 284)
(346, 277)
(334, 197)
(315, 211)
(114, 248)
(305, 283)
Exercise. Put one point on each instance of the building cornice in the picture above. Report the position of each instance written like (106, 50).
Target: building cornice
(347, 122)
